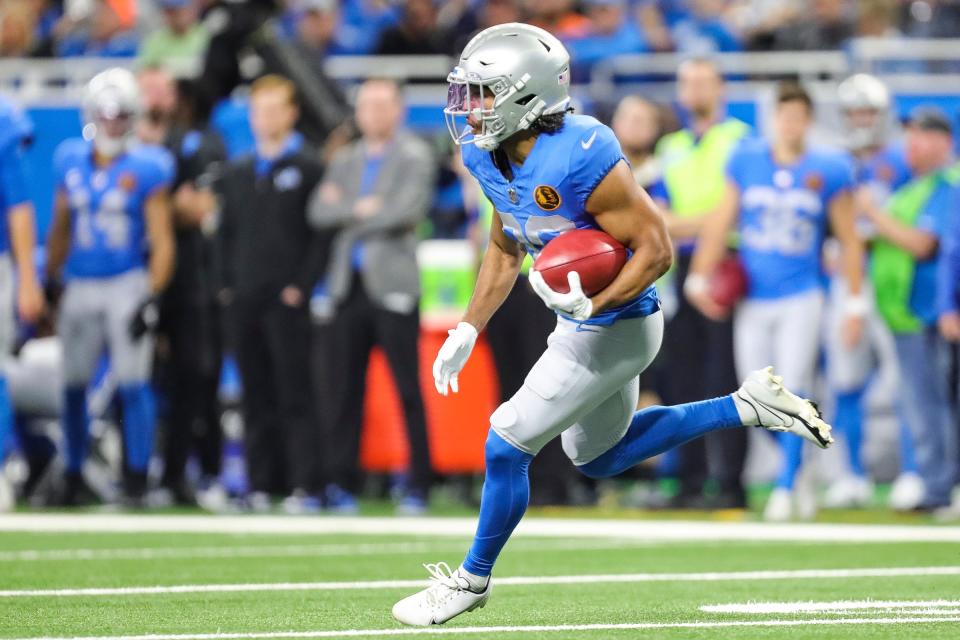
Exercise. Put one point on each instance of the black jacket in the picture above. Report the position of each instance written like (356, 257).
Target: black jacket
(266, 240)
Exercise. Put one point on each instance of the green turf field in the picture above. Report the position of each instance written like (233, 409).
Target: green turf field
(275, 585)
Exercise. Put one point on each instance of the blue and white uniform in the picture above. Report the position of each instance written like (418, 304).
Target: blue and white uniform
(15, 130)
(585, 385)
(783, 218)
(106, 282)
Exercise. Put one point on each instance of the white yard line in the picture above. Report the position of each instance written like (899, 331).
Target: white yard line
(802, 574)
(831, 607)
(301, 550)
(649, 530)
(362, 633)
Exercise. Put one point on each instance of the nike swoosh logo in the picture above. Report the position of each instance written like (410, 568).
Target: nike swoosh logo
(586, 144)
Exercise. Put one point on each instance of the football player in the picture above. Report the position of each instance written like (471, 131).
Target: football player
(546, 172)
(781, 195)
(881, 168)
(17, 237)
(112, 239)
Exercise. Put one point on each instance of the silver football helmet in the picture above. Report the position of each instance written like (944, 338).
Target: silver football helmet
(525, 69)
(111, 105)
(865, 106)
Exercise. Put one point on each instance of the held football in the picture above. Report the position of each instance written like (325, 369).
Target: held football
(728, 284)
(595, 255)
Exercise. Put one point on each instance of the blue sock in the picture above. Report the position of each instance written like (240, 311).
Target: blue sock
(792, 447)
(908, 459)
(506, 490)
(849, 421)
(75, 427)
(139, 421)
(657, 429)
(6, 420)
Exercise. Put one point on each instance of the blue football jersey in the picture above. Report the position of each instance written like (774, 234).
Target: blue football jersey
(884, 172)
(784, 215)
(549, 192)
(15, 130)
(108, 230)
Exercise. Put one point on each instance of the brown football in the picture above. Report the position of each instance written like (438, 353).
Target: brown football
(595, 255)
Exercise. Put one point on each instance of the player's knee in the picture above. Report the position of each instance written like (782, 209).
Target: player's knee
(597, 469)
(498, 452)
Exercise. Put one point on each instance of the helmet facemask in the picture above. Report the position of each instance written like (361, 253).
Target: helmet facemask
(466, 99)
(111, 108)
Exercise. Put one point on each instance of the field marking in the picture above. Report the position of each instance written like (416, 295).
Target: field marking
(355, 633)
(928, 606)
(801, 574)
(301, 550)
(649, 530)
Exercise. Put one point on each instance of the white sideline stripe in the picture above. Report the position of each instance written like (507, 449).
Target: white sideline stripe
(825, 607)
(649, 530)
(802, 574)
(297, 551)
(416, 631)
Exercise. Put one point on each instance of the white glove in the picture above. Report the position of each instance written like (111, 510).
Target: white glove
(452, 356)
(575, 304)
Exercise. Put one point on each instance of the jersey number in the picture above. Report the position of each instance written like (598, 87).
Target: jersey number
(538, 230)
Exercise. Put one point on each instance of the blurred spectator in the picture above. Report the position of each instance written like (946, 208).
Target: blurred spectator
(699, 351)
(271, 259)
(948, 281)
(104, 28)
(181, 44)
(362, 22)
(611, 32)
(189, 318)
(656, 28)
(827, 26)
(375, 193)
(17, 29)
(636, 123)
(490, 13)
(317, 27)
(930, 18)
(417, 32)
(557, 17)
(47, 14)
(904, 265)
(757, 21)
(877, 19)
(705, 30)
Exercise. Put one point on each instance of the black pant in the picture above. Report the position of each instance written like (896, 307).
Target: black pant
(358, 326)
(698, 365)
(517, 334)
(192, 380)
(280, 426)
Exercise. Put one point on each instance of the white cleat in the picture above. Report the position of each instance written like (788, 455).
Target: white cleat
(7, 498)
(448, 596)
(779, 506)
(907, 492)
(777, 409)
(849, 492)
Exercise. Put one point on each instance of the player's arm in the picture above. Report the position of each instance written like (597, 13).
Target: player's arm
(919, 243)
(159, 220)
(23, 242)
(627, 213)
(58, 238)
(710, 250)
(498, 273)
(843, 224)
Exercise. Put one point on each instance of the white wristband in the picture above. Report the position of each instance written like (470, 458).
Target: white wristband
(695, 284)
(858, 305)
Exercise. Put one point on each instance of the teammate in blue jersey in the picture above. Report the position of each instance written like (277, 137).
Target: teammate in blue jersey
(17, 237)
(880, 168)
(112, 239)
(781, 195)
(548, 172)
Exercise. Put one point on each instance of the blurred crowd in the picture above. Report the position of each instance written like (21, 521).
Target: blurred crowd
(298, 258)
(177, 31)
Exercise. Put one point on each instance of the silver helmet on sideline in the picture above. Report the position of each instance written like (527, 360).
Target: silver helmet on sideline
(865, 107)
(524, 68)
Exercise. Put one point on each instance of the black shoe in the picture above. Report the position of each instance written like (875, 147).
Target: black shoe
(134, 490)
(729, 500)
(76, 492)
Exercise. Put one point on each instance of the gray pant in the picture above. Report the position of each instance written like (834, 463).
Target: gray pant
(925, 405)
(96, 313)
(7, 303)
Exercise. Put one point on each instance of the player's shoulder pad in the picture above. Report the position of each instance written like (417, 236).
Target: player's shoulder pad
(70, 152)
(590, 141)
(155, 163)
